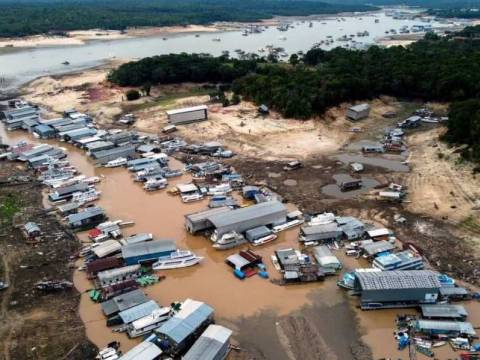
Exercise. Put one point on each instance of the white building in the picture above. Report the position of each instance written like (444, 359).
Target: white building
(187, 115)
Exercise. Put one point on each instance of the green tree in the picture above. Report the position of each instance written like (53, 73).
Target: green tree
(132, 95)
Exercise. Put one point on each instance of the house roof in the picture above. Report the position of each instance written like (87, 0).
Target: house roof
(209, 344)
(320, 229)
(187, 109)
(245, 214)
(443, 311)
(112, 273)
(360, 107)
(377, 247)
(191, 315)
(123, 302)
(202, 215)
(183, 188)
(43, 129)
(145, 351)
(148, 248)
(139, 311)
(394, 280)
(31, 227)
(87, 213)
(450, 326)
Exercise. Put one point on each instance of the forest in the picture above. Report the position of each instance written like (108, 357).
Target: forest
(29, 17)
(435, 68)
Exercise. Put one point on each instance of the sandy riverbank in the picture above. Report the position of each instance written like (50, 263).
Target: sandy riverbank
(80, 37)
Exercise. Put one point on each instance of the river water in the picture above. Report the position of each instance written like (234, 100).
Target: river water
(26, 64)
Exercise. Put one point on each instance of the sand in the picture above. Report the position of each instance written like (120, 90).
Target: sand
(80, 37)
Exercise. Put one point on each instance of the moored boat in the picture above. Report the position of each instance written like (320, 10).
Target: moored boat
(116, 163)
(264, 240)
(229, 241)
(177, 259)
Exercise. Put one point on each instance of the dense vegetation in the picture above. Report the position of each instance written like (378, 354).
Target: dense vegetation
(432, 69)
(465, 13)
(464, 127)
(27, 17)
(441, 69)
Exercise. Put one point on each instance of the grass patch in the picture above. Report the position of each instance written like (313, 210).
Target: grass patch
(471, 224)
(168, 100)
(9, 206)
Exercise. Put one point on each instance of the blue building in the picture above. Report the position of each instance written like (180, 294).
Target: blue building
(147, 251)
(44, 131)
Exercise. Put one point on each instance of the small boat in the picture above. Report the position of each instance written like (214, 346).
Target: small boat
(177, 259)
(116, 163)
(216, 39)
(264, 240)
(155, 184)
(229, 241)
(186, 198)
(275, 262)
(287, 225)
(65, 63)
(148, 323)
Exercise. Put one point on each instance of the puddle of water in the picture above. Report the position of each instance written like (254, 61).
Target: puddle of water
(394, 164)
(333, 190)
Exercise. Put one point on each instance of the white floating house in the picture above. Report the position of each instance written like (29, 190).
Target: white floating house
(187, 115)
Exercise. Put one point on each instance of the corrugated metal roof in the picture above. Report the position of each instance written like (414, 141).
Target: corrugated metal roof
(31, 227)
(320, 229)
(377, 247)
(138, 311)
(245, 214)
(112, 273)
(210, 344)
(192, 315)
(360, 107)
(123, 302)
(143, 351)
(406, 279)
(453, 290)
(257, 232)
(448, 326)
(203, 215)
(443, 311)
(114, 151)
(106, 248)
(42, 129)
(87, 213)
(187, 109)
(150, 247)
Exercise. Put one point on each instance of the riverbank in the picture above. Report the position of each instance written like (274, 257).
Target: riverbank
(81, 37)
(29, 328)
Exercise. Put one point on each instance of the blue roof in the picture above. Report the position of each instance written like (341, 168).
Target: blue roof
(138, 311)
(191, 316)
(43, 129)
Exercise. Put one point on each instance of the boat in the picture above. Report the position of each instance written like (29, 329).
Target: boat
(177, 259)
(221, 189)
(66, 63)
(149, 323)
(86, 197)
(216, 39)
(116, 163)
(264, 240)
(186, 198)
(287, 225)
(228, 241)
(155, 184)
(275, 262)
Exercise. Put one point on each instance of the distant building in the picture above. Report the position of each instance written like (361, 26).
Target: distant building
(358, 112)
(147, 251)
(187, 115)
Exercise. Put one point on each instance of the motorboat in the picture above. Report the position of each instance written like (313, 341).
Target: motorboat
(287, 225)
(264, 240)
(186, 198)
(148, 323)
(221, 189)
(177, 259)
(228, 241)
(155, 184)
(121, 161)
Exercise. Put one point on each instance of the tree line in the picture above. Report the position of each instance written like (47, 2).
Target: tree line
(29, 17)
(432, 69)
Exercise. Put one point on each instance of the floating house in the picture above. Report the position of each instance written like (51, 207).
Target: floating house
(147, 251)
(123, 302)
(65, 193)
(105, 156)
(322, 233)
(44, 131)
(114, 276)
(107, 248)
(95, 266)
(213, 344)
(352, 228)
(199, 221)
(409, 288)
(137, 312)
(374, 249)
(449, 328)
(146, 350)
(187, 115)
(96, 146)
(358, 112)
(180, 331)
(404, 260)
(269, 213)
(87, 219)
(444, 311)
(327, 261)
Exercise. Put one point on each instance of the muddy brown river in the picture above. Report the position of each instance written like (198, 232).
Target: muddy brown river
(270, 321)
